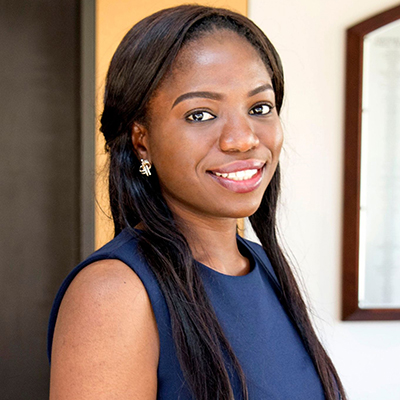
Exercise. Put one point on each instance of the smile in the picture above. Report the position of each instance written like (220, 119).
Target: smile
(239, 175)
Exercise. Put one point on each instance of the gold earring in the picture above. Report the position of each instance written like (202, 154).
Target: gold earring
(145, 167)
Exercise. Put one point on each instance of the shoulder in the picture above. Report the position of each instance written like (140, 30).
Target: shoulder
(106, 285)
(104, 278)
(105, 332)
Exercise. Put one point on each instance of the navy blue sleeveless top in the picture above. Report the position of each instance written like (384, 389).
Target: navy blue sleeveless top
(268, 347)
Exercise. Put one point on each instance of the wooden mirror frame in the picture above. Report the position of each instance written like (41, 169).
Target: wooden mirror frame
(352, 171)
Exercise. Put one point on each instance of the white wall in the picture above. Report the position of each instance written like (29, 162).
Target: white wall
(310, 37)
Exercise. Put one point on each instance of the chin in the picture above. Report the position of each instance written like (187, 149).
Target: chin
(246, 211)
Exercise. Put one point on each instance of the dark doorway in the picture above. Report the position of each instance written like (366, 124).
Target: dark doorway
(39, 180)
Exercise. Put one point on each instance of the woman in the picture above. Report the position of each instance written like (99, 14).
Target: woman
(177, 306)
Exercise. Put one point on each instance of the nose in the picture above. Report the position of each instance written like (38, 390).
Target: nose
(238, 135)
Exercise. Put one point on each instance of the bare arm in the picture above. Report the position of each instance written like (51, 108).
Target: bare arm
(106, 343)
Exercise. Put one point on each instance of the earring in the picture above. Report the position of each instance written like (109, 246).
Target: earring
(145, 167)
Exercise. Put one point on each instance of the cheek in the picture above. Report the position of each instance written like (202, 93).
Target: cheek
(273, 140)
(278, 134)
(174, 160)
(279, 141)
(178, 145)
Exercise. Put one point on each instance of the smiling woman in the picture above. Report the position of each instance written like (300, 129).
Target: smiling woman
(177, 305)
(217, 109)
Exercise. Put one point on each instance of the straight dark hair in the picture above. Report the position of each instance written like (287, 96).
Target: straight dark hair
(143, 59)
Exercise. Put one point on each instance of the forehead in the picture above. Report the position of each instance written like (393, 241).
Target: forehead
(208, 41)
(216, 58)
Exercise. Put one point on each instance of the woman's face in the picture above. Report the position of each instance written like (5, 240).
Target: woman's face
(214, 135)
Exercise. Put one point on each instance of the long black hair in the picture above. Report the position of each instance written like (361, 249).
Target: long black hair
(143, 59)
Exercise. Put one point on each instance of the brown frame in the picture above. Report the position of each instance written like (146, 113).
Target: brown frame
(352, 170)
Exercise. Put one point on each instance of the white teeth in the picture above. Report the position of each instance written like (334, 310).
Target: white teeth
(239, 175)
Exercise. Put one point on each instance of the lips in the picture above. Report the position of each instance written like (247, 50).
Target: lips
(240, 176)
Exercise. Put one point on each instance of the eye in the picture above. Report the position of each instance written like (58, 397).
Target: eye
(261, 109)
(199, 116)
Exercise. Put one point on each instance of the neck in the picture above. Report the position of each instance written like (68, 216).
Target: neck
(213, 242)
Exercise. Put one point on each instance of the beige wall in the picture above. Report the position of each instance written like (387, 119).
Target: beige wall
(310, 37)
(113, 20)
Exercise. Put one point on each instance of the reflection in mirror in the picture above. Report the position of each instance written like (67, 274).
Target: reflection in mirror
(379, 252)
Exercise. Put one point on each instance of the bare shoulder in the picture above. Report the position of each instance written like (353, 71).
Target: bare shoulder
(106, 341)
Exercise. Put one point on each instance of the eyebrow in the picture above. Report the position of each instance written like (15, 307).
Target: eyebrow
(260, 89)
(191, 95)
(217, 96)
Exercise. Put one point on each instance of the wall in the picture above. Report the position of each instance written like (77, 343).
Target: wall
(310, 37)
(39, 181)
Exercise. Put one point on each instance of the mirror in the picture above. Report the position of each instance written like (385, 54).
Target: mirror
(371, 225)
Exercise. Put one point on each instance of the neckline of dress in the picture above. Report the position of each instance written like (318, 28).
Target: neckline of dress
(246, 252)
(242, 248)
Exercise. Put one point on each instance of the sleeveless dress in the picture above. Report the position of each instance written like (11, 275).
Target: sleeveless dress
(268, 347)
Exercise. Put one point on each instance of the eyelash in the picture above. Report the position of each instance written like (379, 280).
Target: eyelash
(191, 116)
(261, 105)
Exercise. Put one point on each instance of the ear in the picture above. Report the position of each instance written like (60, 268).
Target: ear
(140, 141)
